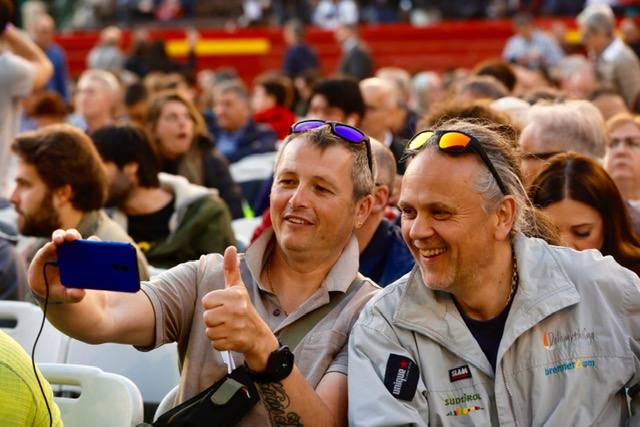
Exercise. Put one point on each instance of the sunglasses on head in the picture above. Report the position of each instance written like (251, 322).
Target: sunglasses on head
(348, 133)
(456, 142)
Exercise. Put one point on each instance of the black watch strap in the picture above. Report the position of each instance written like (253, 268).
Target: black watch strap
(279, 366)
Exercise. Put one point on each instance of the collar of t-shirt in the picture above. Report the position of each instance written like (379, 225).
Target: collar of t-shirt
(488, 333)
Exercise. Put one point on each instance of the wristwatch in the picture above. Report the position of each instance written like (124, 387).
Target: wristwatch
(279, 366)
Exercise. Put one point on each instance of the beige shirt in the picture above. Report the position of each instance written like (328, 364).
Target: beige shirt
(176, 297)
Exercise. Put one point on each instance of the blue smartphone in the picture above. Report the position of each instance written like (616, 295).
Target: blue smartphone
(93, 264)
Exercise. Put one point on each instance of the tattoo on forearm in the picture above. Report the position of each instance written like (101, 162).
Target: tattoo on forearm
(276, 400)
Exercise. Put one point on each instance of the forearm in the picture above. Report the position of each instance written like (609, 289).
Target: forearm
(20, 44)
(82, 320)
(293, 402)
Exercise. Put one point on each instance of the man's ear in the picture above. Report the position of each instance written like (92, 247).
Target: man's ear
(505, 214)
(380, 198)
(363, 209)
(130, 170)
(353, 119)
(62, 195)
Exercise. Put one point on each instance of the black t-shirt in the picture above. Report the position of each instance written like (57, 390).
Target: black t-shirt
(488, 333)
(151, 227)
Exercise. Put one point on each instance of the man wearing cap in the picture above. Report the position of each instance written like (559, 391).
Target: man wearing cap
(308, 260)
(492, 327)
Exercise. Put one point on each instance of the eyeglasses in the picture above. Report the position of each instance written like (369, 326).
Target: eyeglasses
(348, 133)
(631, 142)
(455, 143)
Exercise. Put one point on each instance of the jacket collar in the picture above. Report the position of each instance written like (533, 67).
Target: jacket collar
(543, 289)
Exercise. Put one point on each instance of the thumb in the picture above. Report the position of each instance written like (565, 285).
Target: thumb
(232, 268)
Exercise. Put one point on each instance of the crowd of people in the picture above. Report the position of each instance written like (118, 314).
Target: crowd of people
(458, 244)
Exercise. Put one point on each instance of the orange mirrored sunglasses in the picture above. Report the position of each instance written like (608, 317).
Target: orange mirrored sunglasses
(456, 142)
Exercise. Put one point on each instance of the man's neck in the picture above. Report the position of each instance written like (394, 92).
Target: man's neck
(294, 278)
(488, 295)
(365, 233)
(97, 122)
(143, 201)
(630, 189)
(70, 219)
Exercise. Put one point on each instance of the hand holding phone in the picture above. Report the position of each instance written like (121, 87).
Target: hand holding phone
(47, 255)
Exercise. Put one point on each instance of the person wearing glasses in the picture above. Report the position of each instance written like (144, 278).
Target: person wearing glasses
(552, 129)
(622, 161)
(307, 261)
(492, 327)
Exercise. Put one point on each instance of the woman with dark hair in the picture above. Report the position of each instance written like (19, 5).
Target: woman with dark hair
(580, 198)
(179, 135)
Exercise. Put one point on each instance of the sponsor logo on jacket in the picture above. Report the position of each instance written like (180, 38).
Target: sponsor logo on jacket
(456, 412)
(569, 366)
(550, 339)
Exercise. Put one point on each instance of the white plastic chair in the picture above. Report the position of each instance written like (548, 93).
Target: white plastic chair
(168, 402)
(154, 372)
(106, 399)
(27, 317)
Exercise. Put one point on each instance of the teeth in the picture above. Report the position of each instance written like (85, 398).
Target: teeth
(432, 252)
(296, 221)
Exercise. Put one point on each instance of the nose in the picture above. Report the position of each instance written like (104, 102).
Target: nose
(14, 197)
(421, 228)
(299, 197)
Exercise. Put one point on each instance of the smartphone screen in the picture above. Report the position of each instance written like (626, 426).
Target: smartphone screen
(92, 264)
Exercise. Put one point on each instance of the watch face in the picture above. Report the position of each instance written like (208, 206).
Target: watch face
(280, 363)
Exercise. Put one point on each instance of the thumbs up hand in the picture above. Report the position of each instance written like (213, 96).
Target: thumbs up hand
(232, 321)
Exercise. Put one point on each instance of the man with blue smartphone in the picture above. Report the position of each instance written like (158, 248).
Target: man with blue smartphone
(301, 275)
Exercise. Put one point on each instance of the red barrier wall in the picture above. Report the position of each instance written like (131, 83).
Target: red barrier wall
(437, 47)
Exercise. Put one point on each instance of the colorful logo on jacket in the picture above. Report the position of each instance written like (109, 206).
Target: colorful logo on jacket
(550, 339)
(569, 366)
(456, 412)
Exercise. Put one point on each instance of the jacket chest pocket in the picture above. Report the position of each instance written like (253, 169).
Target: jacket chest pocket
(576, 390)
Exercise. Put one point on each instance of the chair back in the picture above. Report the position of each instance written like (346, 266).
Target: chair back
(106, 399)
(154, 372)
(21, 320)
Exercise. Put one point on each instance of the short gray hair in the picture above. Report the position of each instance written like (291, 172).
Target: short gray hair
(572, 126)
(506, 160)
(597, 18)
(322, 137)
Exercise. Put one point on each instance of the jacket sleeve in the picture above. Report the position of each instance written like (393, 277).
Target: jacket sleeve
(370, 403)
(632, 305)
(627, 75)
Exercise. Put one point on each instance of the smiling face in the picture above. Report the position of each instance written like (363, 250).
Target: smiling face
(312, 206)
(444, 225)
(174, 130)
(579, 224)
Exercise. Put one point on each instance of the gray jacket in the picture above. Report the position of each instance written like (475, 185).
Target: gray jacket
(568, 350)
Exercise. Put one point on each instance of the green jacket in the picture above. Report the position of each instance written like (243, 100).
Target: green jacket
(200, 224)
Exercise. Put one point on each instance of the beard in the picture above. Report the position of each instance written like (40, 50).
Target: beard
(43, 222)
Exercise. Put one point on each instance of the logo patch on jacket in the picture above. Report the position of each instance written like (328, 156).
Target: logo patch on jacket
(401, 377)
(459, 373)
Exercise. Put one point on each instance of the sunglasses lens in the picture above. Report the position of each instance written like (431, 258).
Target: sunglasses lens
(307, 125)
(349, 133)
(454, 141)
(419, 140)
